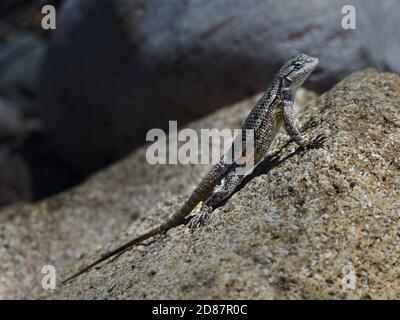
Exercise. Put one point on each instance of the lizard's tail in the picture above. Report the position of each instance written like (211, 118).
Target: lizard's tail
(202, 191)
(118, 250)
(170, 223)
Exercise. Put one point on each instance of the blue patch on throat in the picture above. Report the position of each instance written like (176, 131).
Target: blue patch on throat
(287, 96)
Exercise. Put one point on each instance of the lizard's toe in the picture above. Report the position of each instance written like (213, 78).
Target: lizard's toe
(318, 142)
(198, 220)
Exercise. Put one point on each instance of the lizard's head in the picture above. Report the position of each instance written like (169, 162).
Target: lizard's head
(297, 69)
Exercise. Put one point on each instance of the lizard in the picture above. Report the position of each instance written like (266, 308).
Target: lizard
(272, 111)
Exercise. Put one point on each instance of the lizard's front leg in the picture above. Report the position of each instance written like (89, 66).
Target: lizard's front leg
(293, 132)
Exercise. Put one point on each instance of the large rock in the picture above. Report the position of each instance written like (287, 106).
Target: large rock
(302, 226)
(11, 122)
(23, 44)
(20, 60)
(15, 177)
(115, 69)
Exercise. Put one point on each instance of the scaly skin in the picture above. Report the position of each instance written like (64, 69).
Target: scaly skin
(273, 109)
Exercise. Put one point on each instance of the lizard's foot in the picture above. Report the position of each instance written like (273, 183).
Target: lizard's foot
(199, 219)
(317, 143)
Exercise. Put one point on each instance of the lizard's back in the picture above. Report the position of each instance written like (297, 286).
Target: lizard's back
(265, 119)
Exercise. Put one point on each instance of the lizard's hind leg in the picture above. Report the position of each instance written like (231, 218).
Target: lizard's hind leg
(228, 185)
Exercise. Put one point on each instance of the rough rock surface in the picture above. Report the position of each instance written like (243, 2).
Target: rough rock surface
(147, 62)
(295, 228)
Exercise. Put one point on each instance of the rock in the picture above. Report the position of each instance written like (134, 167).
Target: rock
(147, 62)
(20, 59)
(299, 228)
(15, 178)
(11, 122)
(17, 16)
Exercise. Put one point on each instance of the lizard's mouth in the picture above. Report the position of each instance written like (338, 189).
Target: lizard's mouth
(315, 60)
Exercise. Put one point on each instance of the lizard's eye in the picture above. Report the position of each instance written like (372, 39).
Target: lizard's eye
(297, 65)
